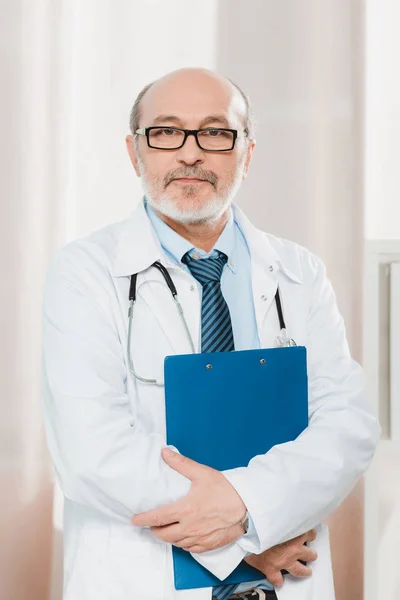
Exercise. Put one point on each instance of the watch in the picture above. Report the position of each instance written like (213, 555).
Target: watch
(245, 522)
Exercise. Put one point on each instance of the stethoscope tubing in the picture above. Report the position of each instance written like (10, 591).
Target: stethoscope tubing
(174, 293)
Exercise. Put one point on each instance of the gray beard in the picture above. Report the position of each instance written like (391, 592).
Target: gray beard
(209, 212)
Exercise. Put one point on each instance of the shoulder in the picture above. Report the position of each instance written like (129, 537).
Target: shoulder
(301, 264)
(296, 259)
(85, 259)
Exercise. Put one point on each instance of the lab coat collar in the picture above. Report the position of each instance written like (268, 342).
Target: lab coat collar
(261, 246)
(138, 247)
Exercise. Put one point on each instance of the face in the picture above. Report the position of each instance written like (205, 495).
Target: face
(191, 185)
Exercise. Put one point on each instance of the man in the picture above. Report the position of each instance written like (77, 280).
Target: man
(128, 498)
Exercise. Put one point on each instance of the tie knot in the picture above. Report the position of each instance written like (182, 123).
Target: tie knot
(206, 270)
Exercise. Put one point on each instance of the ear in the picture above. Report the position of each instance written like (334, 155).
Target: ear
(250, 151)
(130, 146)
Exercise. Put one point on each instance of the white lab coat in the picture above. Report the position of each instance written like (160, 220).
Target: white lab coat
(105, 430)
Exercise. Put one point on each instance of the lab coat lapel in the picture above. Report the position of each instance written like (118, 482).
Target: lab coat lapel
(265, 284)
(159, 299)
(269, 268)
(264, 270)
(138, 248)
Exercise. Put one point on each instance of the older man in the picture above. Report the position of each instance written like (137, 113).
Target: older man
(128, 498)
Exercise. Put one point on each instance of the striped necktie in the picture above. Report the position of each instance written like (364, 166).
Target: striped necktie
(216, 330)
(216, 325)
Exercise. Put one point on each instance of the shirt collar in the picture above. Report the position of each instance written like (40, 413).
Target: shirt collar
(137, 247)
(177, 246)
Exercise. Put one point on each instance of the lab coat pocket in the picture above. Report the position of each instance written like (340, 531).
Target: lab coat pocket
(90, 557)
(137, 568)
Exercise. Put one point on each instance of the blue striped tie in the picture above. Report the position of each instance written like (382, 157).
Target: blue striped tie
(216, 330)
(216, 326)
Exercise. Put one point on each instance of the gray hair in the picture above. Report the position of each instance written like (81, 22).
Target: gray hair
(249, 124)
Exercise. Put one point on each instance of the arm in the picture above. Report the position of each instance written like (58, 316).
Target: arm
(103, 457)
(305, 480)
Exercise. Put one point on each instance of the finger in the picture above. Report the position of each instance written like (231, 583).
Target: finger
(275, 578)
(182, 464)
(212, 541)
(254, 561)
(196, 549)
(299, 570)
(307, 554)
(165, 515)
(186, 543)
(310, 535)
(194, 545)
(169, 533)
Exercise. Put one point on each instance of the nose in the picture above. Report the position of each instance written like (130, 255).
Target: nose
(190, 153)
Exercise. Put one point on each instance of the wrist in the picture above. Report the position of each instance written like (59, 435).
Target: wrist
(244, 522)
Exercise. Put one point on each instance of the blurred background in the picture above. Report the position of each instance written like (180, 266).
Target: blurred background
(323, 78)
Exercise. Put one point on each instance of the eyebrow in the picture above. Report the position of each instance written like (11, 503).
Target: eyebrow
(206, 121)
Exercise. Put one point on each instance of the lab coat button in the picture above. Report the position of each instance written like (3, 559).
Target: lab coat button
(192, 288)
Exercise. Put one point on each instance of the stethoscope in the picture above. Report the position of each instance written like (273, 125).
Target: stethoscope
(282, 339)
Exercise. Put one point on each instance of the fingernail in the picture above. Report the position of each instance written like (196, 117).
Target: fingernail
(169, 452)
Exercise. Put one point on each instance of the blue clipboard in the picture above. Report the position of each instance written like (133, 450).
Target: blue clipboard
(224, 408)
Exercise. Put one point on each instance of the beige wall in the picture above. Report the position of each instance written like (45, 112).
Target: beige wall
(382, 230)
(302, 63)
(382, 121)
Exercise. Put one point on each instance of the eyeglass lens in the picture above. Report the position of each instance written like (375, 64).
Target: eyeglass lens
(209, 139)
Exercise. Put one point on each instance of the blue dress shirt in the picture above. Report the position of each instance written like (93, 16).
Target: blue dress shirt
(236, 276)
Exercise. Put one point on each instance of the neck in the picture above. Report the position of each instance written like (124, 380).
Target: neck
(201, 235)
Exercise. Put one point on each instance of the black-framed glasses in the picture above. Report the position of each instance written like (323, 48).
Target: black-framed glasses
(213, 139)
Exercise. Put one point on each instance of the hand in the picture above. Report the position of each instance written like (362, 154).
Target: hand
(285, 556)
(206, 519)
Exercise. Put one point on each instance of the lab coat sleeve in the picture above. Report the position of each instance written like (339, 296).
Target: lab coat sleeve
(102, 456)
(296, 485)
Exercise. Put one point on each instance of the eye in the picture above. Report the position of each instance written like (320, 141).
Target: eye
(214, 132)
(168, 131)
(163, 131)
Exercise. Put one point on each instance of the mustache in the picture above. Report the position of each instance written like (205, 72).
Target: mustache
(196, 172)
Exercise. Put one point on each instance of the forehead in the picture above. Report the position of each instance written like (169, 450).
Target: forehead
(192, 100)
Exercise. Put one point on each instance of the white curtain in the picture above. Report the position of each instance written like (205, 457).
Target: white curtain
(72, 70)
(26, 243)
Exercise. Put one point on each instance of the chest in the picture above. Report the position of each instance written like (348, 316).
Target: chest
(158, 329)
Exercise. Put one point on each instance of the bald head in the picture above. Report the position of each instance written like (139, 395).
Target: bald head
(200, 91)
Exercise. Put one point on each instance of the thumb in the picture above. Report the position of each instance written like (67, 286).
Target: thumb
(182, 464)
(252, 560)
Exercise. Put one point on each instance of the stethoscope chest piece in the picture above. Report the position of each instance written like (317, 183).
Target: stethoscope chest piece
(283, 340)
